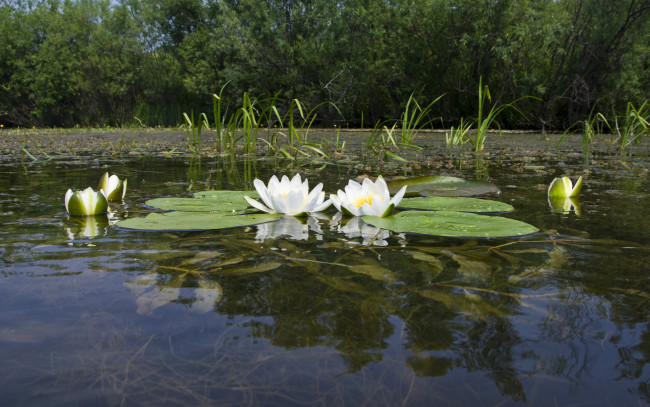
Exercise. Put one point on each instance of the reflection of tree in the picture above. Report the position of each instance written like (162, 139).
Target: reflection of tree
(514, 313)
(311, 306)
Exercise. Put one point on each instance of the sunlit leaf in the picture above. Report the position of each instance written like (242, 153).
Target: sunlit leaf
(178, 220)
(453, 224)
(205, 201)
(442, 203)
(441, 185)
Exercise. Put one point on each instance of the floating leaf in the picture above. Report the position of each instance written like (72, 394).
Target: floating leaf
(442, 203)
(441, 185)
(195, 221)
(453, 224)
(206, 201)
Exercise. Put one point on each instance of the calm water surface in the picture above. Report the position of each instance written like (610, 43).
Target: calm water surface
(294, 314)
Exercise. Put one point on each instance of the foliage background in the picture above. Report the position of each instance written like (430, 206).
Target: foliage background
(104, 63)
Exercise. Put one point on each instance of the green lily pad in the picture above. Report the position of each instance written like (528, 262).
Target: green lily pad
(443, 203)
(206, 201)
(441, 185)
(452, 224)
(178, 220)
(224, 195)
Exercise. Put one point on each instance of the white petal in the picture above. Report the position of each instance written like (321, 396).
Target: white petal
(313, 199)
(67, 199)
(370, 210)
(382, 187)
(321, 207)
(351, 208)
(263, 192)
(398, 196)
(258, 205)
(336, 201)
(294, 203)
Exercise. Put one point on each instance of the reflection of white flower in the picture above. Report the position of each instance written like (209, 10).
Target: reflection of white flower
(290, 226)
(369, 198)
(150, 295)
(564, 205)
(291, 197)
(88, 226)
(113, 187)
(356, 227)
(85, 203)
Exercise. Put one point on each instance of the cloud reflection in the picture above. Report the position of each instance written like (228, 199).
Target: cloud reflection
(150, 294)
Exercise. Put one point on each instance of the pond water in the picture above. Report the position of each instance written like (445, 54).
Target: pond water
(311, 314)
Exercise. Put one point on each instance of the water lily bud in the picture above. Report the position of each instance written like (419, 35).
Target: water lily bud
(563, 188)
(85, 203)
(113, 187)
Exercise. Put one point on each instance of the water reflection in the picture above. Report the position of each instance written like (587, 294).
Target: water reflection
(77, 227)
(354, 227)
(293, 227)
(564, 205)
(320, 311)
(153, 291)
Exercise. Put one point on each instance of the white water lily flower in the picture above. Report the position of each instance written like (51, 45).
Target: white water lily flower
(113, 187)
(291, 197)
(367, 199)
(562, 188)
(85, 203)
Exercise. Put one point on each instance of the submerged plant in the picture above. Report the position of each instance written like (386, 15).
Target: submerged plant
(368, 198)
(291, 197)
(85, 203)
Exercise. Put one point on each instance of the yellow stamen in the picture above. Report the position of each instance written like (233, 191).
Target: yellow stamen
(363, 199)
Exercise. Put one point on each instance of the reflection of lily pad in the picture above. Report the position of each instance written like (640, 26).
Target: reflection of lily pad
(206, 201)
(441, 185)
(442, 203)
(195, 221)
(453, 224)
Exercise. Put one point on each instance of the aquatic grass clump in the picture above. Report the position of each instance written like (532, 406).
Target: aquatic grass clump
(381, 131)
(590, 127)
(194, 129)
(415, 118)
(484, 121)
(635, 124)
(299, 134)
(459, 135)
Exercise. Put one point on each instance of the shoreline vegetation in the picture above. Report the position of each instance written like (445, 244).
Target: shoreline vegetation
(394, 66)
